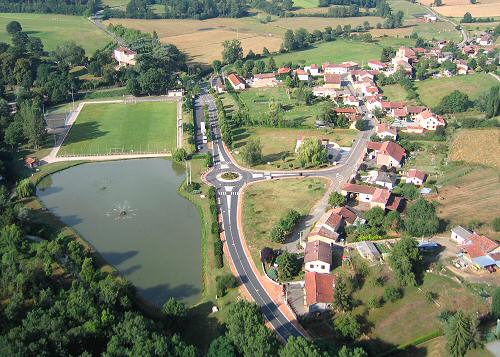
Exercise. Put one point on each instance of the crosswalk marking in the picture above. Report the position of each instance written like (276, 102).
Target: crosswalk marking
(222, 193)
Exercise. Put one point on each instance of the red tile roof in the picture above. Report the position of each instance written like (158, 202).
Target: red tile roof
(235, 80)
(381, 195)
(478, 246)
(377, 63)
(301, 72)
(333, 220)
(393, 150)
(348, 215)
(385, 128)
(333, 79)
(126, 51)
(417, 174)
(284, 70)
(394, 203)
(346, 110)
(355, 188)
(318, 251)
(373, 145)
(319, 288)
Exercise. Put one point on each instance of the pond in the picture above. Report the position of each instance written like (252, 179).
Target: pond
(132, 215)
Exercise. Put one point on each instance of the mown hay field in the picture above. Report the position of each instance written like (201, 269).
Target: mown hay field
(477, 146)
(457, 8)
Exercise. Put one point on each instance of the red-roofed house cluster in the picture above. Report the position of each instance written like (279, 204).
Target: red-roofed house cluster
(477, 250)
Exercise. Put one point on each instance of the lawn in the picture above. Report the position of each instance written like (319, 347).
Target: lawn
(418, 316)
(431, 91)
(340, 51)
(111, 128)
(394, 92)
(477, 146)
(277, 142)
(55, 29)
(430, 157)
(257, 102)
(306, 4)
(265, 203)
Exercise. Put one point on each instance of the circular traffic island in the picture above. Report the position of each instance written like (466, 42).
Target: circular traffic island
(229, 176)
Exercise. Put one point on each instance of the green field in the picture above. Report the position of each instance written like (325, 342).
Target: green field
(431, 91)
(56, 29)
(278, 144)
(305, 4)
(438, 30)
(394, 92)
(128, 128)
(410, 10)
(260, 215)
(340, 51)
(257, 102)
(115, 3)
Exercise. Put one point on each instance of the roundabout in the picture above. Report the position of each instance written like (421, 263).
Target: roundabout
(229, 176)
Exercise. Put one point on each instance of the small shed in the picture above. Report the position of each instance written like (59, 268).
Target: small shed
(460, 235)
(368, 250)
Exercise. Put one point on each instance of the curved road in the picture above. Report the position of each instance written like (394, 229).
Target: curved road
(229, 196)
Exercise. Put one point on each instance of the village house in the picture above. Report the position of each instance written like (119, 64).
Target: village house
(352, 114)
(124, 56)
(481, 251)
(302, 75)
(343, 68)
(405, 54)
(462, 67)
(387, 153)
(352, 101)
(236, 81)
(377, 65)
(429, 121)
(312, 69)
(430, 18)
(262, 80)
(460, 234)
(485, 40)
(385, 131)
(323, 91)
(374, 103)
(326, 228)
(333, 81)
(284, 72)
(374, 196)
(318, 257)
(217, 84)
(368, 250)
(32, 162)
(416, 177)
(386, 179)
(318, 291)
(350, 218)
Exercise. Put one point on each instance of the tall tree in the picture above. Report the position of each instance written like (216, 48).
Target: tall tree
(421, 219)
(300, 347)
(251, 153)
(13, 27)
(33, 124)
(460, 334)
(232, 51)
(406, 261)
(342, 296)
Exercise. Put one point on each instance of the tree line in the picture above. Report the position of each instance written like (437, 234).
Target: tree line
(67, 7)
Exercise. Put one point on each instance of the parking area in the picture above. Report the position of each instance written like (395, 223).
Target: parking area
(295, 296)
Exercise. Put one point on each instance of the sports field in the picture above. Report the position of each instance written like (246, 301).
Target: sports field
(56, 29)
(101, 129)
(431, 91)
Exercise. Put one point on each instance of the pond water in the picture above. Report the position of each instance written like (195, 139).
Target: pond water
(132, 215)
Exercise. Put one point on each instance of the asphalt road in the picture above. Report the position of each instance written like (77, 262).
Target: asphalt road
(229, 196)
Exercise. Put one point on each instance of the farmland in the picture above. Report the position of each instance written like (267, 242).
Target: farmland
(431, 91)
(106, 128)
(56, 29)
(340, 50)
(278, 144)
(306, 4)
(457, 8)
(257, 102)
(202, 39)
(306, 192)
(485, 144)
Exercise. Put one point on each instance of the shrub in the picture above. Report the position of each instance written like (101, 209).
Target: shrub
(375, 302)
(496, 224)
(278, 234)
(25, 189)
(179, 155)
(215, 228)
(392, 294)
(212, 193)
(219, 253)
(362, 125)
(224, 282)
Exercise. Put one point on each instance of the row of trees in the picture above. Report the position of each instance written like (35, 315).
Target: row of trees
(81, 7)
(285, 226)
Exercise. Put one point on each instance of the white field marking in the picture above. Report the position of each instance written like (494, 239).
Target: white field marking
(257, 175)
(224, 166)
